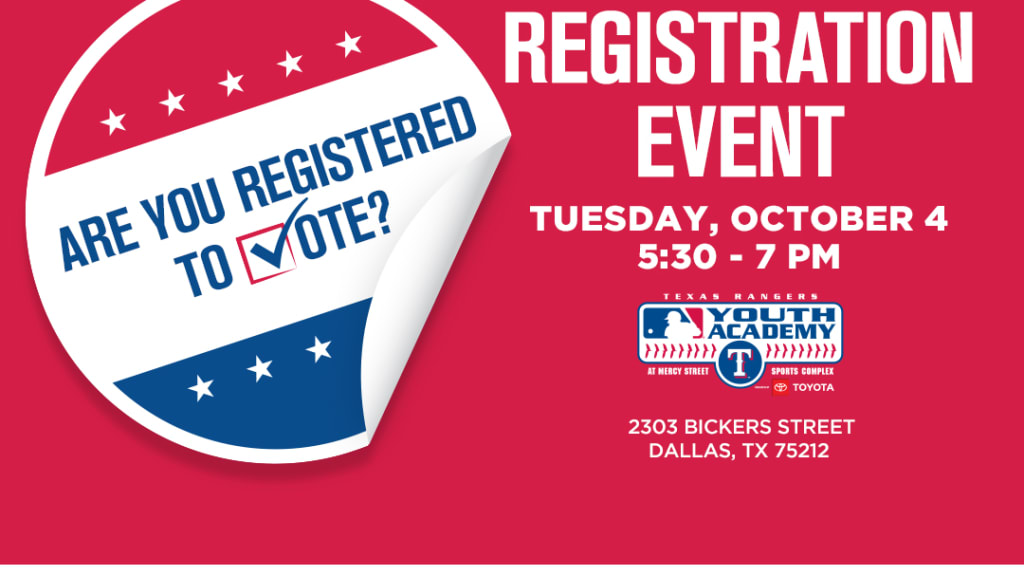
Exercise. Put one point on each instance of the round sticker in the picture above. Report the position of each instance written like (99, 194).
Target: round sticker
(239, 214)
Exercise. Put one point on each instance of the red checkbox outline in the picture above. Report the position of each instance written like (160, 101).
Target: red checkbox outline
(245, 257)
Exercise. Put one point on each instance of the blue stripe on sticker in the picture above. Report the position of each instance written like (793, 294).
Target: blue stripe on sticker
(294, 387)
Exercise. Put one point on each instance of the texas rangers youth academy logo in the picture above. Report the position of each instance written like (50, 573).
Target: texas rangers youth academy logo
(740, 338)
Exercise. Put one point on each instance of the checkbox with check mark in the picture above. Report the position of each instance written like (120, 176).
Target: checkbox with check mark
(268, 253)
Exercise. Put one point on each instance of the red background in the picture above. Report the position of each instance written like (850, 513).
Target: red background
(511, 445)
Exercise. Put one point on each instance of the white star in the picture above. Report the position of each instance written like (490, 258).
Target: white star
(350, 44)
(261, 369)
(232, 83)
(173, 102)
(114, 122)
(319, 349)
(291, 63)
(201, 388)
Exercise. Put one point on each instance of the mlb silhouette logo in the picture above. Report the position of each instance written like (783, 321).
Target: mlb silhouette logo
(673, 323)
(267, 253)
(780, 387)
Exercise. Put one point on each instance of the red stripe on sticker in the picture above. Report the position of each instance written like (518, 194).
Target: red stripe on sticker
(195, 62)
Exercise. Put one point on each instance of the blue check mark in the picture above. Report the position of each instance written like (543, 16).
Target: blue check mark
(274, 258)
